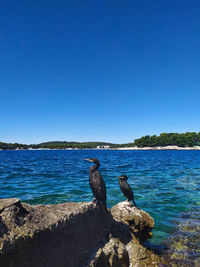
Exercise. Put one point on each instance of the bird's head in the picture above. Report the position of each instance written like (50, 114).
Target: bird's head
(94, 160)
(123, 177)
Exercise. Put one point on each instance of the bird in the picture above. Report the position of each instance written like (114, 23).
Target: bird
(97, 183)
(125, 188)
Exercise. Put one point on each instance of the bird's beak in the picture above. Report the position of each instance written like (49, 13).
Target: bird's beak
(88, 160)
(118, 176)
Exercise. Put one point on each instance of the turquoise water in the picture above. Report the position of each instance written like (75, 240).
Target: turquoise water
(165, 183)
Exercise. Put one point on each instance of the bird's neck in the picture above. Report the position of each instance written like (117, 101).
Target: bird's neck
(94, 167)
(97, 165)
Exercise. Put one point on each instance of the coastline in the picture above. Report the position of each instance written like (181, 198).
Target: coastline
(117, 148)
(159, 148)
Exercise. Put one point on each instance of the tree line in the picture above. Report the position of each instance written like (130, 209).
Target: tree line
(54, 145)
(188, 139)
(5, 146)
(64, 145)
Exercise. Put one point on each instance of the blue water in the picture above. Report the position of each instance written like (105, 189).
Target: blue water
(165, 183)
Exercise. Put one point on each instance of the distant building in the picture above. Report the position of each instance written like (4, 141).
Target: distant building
(103, 147)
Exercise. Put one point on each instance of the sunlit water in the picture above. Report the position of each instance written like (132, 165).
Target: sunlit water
(165, 183)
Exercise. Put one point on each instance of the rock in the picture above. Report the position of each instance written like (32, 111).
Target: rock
(114, 253)
(140, 256)
(139, 222)
(74, 234)
(4, 203)
(49, 235)
(130, 228)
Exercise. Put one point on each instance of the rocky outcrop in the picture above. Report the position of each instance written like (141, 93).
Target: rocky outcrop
(139, 222)
(74, 234)
(130, 228)
(49, 235)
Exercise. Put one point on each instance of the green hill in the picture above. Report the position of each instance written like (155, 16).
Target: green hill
(188, 139)
(64, 144)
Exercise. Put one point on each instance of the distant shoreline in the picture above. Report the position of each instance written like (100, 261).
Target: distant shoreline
(117, 148)
(160, 148)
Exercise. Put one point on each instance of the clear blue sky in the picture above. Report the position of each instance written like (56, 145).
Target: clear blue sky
(98, 70)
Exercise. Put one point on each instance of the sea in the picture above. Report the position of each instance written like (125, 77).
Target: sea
(166, 184)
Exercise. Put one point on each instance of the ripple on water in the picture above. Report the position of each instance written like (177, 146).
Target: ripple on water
(165, 183)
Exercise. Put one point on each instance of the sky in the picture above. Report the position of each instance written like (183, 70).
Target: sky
(105, 70)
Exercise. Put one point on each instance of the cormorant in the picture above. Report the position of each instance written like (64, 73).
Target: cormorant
(125, 188)
(96, 182)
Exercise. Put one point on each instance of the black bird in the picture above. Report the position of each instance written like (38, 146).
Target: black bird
(125, 188)
(97, 183)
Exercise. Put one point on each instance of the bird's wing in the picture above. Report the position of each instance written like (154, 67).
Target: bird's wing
(98, 186)
(126, 189)
(130, 192)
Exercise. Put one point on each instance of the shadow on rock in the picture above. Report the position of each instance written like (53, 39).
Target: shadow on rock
(130, 227)
(74, 234)
(3, 228)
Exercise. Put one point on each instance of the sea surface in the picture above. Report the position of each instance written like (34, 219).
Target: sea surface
(165, 183)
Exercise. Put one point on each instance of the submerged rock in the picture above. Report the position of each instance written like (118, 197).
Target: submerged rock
(184, 244)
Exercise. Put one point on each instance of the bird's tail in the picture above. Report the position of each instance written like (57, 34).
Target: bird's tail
(106, 209)
(134, 203)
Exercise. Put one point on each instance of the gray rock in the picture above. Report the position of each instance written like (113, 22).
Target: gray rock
(130, 228)
(114, 253)
(139, 222)
(4, 203)
(49, 235)
(74, 234)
